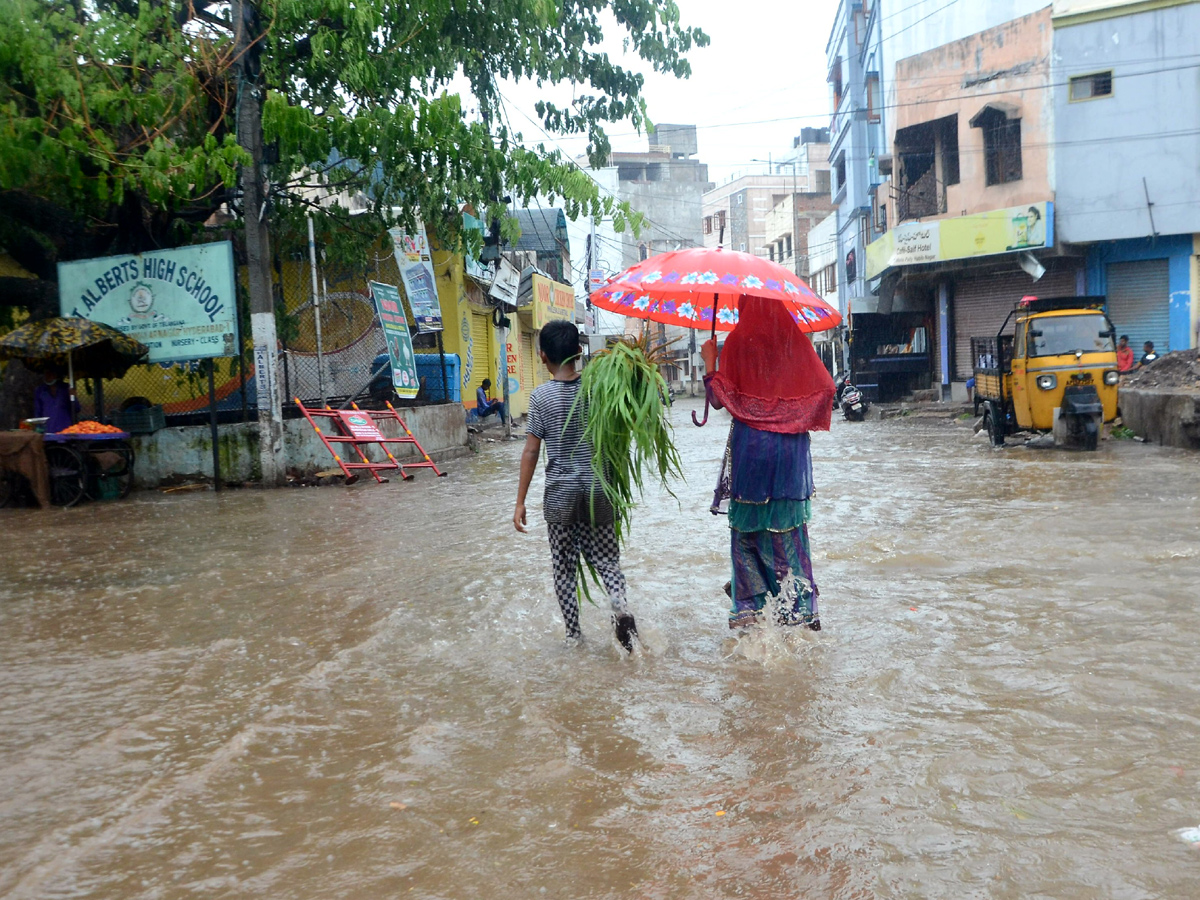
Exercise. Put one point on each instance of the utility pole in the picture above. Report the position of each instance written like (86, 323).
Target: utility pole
(795, 225)
(248, 36)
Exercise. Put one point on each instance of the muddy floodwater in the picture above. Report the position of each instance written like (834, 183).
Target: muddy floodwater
(364, 693)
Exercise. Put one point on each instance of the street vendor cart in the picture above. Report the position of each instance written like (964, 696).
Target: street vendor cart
(87, 459)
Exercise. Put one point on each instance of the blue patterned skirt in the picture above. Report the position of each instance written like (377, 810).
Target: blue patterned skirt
(769, 564)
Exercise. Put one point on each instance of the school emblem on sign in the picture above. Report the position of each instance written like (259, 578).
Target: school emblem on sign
(141, 298)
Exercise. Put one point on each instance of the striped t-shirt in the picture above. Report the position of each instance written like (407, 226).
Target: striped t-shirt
(573, 493)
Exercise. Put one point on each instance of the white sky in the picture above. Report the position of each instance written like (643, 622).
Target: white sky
(766, 61)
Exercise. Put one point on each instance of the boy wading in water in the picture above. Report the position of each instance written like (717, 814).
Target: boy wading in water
(578, 515)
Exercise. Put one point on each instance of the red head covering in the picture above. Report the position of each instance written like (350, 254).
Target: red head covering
(769, 376)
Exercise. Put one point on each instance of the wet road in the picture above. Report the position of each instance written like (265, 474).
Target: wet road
(363, 693)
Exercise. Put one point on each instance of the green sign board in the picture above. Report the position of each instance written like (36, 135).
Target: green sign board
(399, 341)
(179, 303)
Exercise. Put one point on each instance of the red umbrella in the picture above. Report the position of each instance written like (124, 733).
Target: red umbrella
(688, 287)
(699, 287)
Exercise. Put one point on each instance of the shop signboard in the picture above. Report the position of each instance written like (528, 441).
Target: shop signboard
(507, 283)
(180, 303)
(416, 273)
(551, 300)
(396, 334)
(1009, 230)
(512, 353)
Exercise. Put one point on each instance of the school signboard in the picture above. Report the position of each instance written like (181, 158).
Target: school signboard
(180, 303)
(399, 341)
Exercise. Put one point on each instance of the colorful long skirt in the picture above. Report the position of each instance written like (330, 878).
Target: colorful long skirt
(772, 564)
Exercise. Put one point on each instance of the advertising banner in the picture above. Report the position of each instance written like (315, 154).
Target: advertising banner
(1009, 230)
(512, 353)
(399, 341)
(416, 272)
(551, 300)
(179, 303)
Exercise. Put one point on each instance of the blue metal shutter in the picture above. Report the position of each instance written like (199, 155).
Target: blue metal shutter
(1139, 297)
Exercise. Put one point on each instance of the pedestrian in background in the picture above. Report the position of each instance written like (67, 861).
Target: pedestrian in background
(777, 391)
(579, 517)
(1149, 356)
(1124, 355)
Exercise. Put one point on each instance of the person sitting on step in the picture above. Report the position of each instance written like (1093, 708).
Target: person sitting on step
(485, 405)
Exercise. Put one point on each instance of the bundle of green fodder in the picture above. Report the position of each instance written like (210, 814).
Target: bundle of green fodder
(627, 423)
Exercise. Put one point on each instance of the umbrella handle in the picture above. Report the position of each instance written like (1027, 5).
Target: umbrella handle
(699, 423)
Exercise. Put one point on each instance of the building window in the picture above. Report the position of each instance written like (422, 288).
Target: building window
(835, 79)
(708, 224)
(721, 219)
(927, 161)
(1001, 145)
(1090, 87)
(874, 110)
(839, 171)
(787, 242)
(771, 252)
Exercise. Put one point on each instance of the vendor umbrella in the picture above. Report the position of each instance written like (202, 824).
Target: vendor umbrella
(82, 347)
(699, 288)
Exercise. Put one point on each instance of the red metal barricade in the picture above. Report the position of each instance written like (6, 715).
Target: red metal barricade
(359, 428)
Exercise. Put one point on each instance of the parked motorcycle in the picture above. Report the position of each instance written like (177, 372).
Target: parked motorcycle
(850, 399)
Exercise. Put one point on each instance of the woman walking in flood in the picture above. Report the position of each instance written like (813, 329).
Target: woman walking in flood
(777, 391)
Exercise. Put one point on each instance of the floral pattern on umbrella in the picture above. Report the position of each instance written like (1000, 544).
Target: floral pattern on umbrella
(681, 288)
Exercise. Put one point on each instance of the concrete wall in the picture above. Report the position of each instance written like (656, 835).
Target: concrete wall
(187, 451)
(1171, 418)
(1148, 128)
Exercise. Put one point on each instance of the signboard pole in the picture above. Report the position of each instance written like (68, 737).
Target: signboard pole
(312, 260)
(212, 424)
(507, 401)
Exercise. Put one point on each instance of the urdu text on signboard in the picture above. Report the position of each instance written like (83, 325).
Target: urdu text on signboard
(180, 303)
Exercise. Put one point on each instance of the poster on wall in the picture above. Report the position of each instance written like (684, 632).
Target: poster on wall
(415, 262)
(512, 352)
(180, 303)
(396, 334)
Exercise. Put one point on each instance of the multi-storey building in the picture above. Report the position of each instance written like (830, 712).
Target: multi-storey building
(1126, 107)
(868, 40)
(735, 213)
(665, 183)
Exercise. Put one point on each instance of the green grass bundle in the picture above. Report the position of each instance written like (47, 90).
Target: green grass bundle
(628, 427)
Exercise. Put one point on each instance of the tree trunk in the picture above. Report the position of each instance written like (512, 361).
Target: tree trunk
(249, 39)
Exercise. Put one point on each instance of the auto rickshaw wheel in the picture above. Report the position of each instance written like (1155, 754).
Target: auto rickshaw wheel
(995, 434)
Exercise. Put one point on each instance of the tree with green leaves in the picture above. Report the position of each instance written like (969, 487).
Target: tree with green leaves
(118, 118)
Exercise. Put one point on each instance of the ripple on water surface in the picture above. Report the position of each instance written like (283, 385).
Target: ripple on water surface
(365, 693)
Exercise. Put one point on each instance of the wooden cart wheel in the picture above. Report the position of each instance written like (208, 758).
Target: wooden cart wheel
(118, 473)
(68, 473)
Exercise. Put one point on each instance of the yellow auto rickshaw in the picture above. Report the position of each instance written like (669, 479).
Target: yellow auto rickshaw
(1056, 372)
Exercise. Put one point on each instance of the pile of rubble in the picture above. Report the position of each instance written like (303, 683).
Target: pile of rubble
(1178, 371)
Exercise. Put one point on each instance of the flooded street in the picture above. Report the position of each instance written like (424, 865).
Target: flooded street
(364, 693)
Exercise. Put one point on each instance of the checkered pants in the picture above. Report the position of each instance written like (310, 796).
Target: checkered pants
(598, 543)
